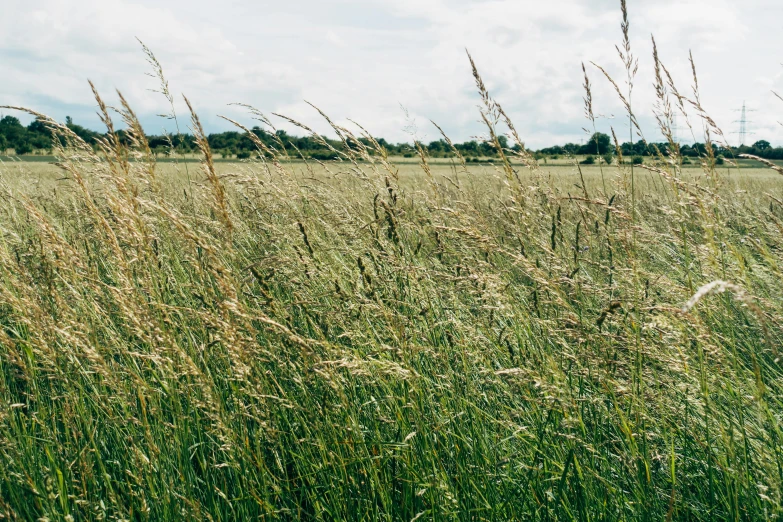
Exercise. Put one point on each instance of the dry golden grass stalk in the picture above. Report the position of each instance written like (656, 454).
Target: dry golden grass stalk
(774, 166)
(453, 149)
(208, 166)
(626, 103)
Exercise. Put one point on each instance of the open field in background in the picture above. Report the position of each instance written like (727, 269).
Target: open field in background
(561, 161)
(748, 184)
(560, 174)
(371, 341)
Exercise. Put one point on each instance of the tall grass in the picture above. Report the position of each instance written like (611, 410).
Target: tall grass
(341, 343)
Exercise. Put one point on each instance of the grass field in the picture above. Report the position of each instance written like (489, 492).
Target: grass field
(367, 340)
(560, 174)
(363, 342)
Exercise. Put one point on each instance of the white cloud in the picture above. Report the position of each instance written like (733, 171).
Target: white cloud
(362, 59)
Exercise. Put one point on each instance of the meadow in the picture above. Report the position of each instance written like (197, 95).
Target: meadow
(361, 340)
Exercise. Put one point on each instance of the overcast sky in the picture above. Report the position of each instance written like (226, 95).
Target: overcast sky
(368, 59)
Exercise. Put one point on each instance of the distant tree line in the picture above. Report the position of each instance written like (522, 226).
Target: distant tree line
(37, 137)
(601, 145)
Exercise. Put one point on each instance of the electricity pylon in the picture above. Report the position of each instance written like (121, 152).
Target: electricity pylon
(743, 123)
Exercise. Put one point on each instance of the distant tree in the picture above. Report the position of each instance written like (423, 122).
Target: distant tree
(87, 135)
(599, 143)
(437, 147)
(723, 151)
(762, 145)
(469, 148)
(38, 127)
(15, 133)
(553, 151)
(486, 149)
(634, 149)
(38, 135)
(10, 126)
(700, 149)
(3, 144)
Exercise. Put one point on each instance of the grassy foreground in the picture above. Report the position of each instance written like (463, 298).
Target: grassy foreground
(340, 342)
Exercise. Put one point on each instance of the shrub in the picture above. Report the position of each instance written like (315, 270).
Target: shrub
(23, 148)
(589, 160)
(637, 160)
(323, 156)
